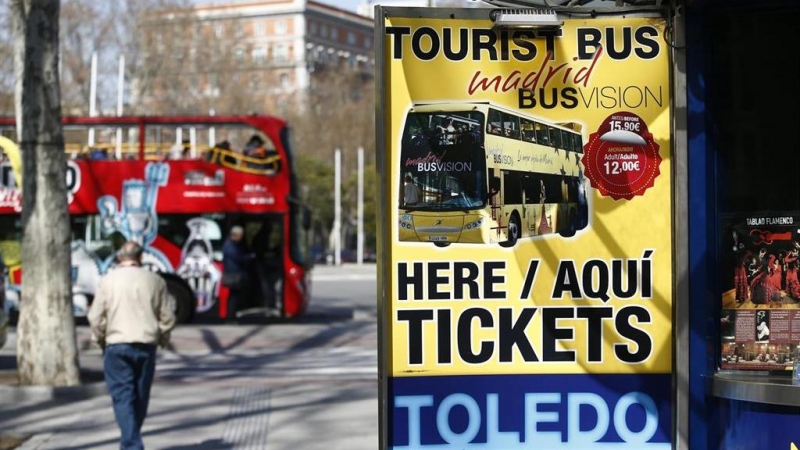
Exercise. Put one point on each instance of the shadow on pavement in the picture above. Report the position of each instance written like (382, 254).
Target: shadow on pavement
(212, 444)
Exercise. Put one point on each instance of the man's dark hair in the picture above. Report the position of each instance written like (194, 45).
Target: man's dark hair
(255, 140)
(130, 251)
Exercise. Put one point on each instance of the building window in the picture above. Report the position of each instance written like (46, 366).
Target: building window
(334, 33)
(159, 42)
(260, 29)
(367, 42)
(282, 105)
(285, 81)
(238, 54)
(259, 54)
(351, 38)
(280, 27)
(255, 82)
(212, 87)
(281, 53)
(219, 30)
(324, 31)
(313, 28)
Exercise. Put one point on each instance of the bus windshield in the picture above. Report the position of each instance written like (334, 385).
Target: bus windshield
(443, 162)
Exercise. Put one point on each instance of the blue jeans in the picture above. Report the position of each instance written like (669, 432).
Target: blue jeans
(129, 370)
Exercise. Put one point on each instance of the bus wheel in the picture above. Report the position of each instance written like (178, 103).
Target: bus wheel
(180, 299)
(570, 230)
(513, 232)
(441, 244)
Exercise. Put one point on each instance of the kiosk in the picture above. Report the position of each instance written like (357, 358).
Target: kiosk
(744, 224)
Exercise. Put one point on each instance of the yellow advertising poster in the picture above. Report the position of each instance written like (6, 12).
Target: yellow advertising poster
(529, 186)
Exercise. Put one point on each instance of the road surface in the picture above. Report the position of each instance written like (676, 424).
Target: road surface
(306, 384)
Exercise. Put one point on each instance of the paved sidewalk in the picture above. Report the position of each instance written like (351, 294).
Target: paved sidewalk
(292, 416)
(293, 386)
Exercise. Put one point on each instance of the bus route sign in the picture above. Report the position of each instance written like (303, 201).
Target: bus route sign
(526, 277)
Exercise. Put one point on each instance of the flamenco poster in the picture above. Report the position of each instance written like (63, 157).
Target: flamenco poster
(760, 318)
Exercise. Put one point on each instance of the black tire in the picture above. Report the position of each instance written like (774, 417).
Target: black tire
(13, 317)
(571, 225)
(182, 299)
(441, 244)
(583, 216)
(514, 231)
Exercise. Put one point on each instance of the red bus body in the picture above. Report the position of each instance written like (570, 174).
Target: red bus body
(142, 192)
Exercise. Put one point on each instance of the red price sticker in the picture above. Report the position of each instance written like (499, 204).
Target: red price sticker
(621, 158)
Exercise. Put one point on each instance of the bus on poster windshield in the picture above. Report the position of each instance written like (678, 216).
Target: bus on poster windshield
(177, 185)
(478, 173)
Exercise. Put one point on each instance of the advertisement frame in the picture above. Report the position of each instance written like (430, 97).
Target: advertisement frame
(678, 196)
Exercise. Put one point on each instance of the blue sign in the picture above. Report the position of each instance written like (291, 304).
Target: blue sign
(542, 412)
(738, 425)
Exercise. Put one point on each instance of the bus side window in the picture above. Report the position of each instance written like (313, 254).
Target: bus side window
(566, 140)
(553, 186)
(528, 132)
(494, 183)
(578, 142)
(542, 134)
(512, 189)
(530, 187)
(494, 124)
(555, 137)
(510, 126)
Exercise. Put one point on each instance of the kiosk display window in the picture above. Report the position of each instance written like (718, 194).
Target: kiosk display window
(760, 291)
(757, 194)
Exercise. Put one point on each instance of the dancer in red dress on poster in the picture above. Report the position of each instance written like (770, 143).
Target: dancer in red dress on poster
(761, 287)
(792, 281)
(740, 278)
(775, 273)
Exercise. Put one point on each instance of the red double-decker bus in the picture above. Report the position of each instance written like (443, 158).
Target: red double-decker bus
(177, 185)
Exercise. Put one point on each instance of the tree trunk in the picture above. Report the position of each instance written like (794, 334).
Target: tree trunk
(46, 348)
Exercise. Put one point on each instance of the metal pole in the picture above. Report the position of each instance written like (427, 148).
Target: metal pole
(360, 213)
(212, 132)
(93, 96)
(337, 214)
(193, 142)
(121, 84)
(120, 98)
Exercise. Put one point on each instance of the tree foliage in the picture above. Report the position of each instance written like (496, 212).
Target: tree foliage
(316, 179)
(350, 202)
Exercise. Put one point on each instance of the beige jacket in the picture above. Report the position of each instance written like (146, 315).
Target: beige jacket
(130, 306)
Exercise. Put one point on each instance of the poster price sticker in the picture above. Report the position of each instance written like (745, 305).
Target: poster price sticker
(621, 159)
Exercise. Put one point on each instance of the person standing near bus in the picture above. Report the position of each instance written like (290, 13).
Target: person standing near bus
(129, 318)
(236, 268)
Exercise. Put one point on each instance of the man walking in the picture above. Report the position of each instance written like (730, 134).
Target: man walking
(236, 269)
(129, 318)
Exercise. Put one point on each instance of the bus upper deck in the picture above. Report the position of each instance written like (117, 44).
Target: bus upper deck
(176, 185)
(230, 141)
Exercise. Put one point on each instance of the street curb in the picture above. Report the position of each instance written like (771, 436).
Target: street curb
(17, 394)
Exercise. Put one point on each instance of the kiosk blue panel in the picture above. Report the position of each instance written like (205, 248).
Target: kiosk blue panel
(543, 412)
